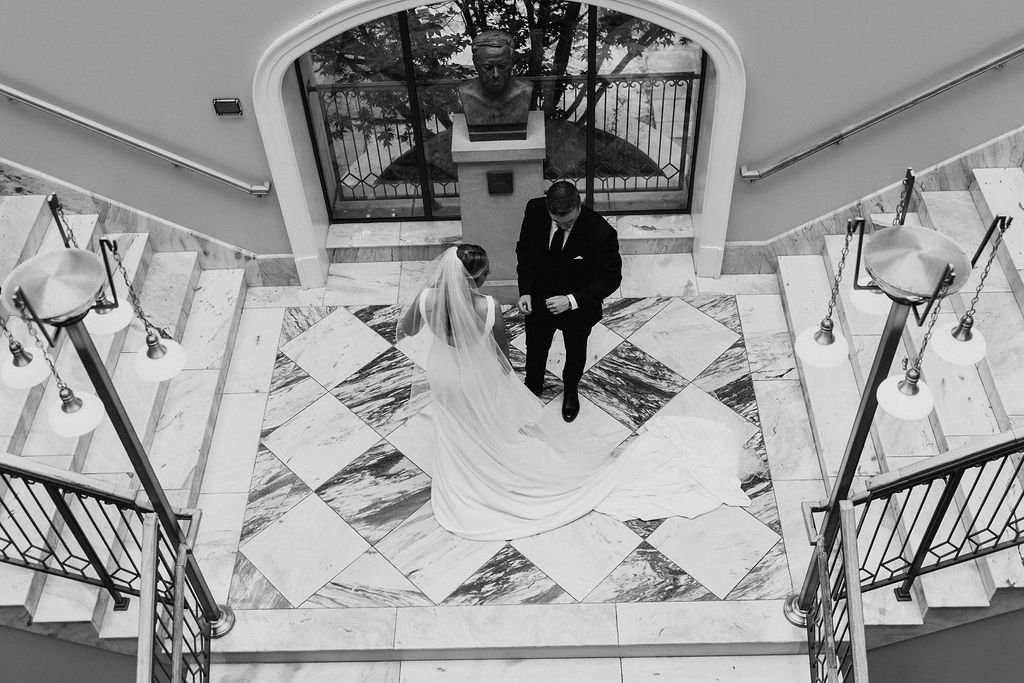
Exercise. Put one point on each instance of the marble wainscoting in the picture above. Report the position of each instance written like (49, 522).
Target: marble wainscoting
(338, 512)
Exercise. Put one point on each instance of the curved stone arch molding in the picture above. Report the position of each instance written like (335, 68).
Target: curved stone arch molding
(305, 217)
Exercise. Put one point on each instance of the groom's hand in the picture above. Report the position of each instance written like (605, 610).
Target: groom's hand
(558, 304)
(526, 304)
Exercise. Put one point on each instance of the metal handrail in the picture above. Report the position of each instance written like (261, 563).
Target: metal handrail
(836, 138)
(18, 96)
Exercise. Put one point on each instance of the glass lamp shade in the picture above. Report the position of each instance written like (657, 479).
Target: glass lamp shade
(156, 366)
(86, 418)
(951, 348)
(870, 301)
(812, 352)
(110, 320)
(24, 376)
(894, 399)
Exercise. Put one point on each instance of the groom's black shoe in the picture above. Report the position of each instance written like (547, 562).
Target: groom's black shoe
(570, 405)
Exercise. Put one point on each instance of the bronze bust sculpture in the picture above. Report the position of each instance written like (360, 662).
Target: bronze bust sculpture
(496, 103)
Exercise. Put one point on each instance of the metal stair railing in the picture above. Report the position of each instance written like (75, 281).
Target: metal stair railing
(69, 525)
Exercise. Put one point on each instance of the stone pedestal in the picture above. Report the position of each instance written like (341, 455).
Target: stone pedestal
(496, 179)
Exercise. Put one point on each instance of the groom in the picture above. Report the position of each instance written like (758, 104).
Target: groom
(568, 263)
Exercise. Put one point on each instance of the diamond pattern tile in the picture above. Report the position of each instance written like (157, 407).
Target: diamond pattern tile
(339, 511)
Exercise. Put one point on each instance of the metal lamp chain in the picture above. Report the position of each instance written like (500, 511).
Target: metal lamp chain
(42, 349)
(898, 217)
(134, 299)
(984, 274)
(64, 221)
(839, 273)
(931, 325)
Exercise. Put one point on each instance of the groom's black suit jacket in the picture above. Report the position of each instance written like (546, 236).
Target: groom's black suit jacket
(589, 266)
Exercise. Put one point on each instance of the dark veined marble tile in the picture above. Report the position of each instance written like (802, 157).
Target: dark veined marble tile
(721, 307)
(379, 391)
(552, 383)
(515, 322)
(769, 579)
(298, 319)
(739, 395)
(250, 589)
(626, 315)
(382, 319)
(377, 491)
(648, 576)
(762, 504)
(370, 581)
(508, 578)
(630, 385)
(643, 527)
(292, 390)
(274, 490)
(725, 369)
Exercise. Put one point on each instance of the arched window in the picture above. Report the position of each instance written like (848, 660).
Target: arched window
(621, 98)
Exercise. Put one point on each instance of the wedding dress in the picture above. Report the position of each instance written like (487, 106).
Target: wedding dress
(501, 472)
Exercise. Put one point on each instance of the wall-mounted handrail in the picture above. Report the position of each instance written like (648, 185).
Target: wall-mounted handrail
(836, 138)
(160, 153)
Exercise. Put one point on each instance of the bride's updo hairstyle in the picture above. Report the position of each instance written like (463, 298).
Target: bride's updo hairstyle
(474, 260)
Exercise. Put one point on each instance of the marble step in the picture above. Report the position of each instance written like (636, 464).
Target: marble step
(719, 628)
(425, 240)
(18, 406)
(23, 223)
(1001, 191)
(831, 394)
(38, 440)
(761, 668)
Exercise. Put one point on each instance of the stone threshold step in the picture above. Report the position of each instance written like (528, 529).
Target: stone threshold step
(425, 240)
(517, 631)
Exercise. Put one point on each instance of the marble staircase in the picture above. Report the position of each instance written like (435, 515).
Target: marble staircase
(174, 419)
(971, 402)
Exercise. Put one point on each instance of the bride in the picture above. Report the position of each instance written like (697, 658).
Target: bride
(499, 472)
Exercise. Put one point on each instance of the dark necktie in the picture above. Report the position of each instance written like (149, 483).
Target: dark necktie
(556, 243)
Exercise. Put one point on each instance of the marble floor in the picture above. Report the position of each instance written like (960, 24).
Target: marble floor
(338, 508)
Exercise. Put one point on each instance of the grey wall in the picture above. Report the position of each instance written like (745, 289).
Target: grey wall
(151, 69)
(986, 651)
(31, 658)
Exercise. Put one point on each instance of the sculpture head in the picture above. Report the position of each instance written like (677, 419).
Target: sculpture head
(493, 57)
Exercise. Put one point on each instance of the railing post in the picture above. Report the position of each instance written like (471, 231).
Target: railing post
(101, 381)
(120, 600)
(924, 545)
(147, 600)
(888, 343)
(854, 604)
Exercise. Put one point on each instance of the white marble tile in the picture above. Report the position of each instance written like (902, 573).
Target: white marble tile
(304, 549)
(579, 555)
(654, 226)
(684, 338)
(606, 670)
(236, 436)
(720, 669)
(411, 280)
(693, 402)
(259, 330)
(787, 431)
(280, 297)
(64, 600)
(306, 672)
(184, 427)
(430, 232)
(334, 348)
(370, 581)
(320, 440)
(435, 560)
(169, 288)
(999, 191)
(745, 283)
(362, 283)
(363, 235)
(731, 542)
(506, 626)
(296, 632)
(999, 319)
(593, 433)
(766, 336)
(212, 319)
(658, 275)
(217, 542)
(788, 498)
(709, 626)
(601, 341)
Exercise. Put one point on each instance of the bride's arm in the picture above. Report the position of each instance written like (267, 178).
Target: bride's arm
(500, 336)
(412, 321)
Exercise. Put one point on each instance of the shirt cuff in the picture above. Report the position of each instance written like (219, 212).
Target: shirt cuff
(572, 302)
